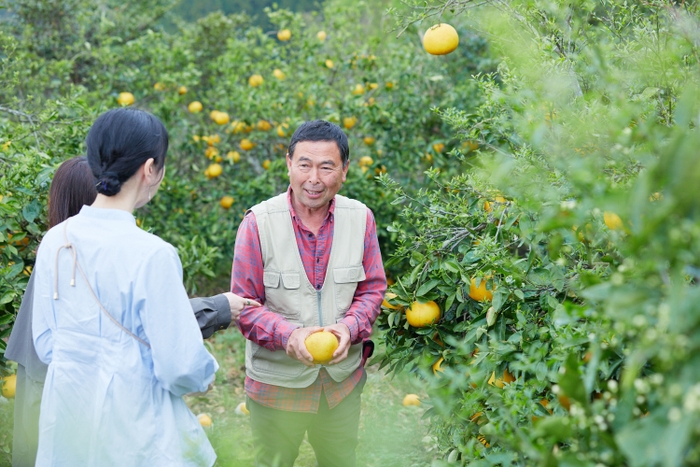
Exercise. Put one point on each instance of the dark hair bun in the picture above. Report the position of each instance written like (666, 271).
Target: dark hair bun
(108, 184)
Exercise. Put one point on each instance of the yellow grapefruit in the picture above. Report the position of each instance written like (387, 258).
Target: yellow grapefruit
(411, 400)
(264, 125)
(366, 160)
(422, 314)
(281, 130)
(499, 383)
(437, 366)
(226, 202)
(385, 303)
(284, 35)
(214, 170)
(247, 144)
(358, 90)
(241, 409)
(480, 293)
(612, 220)
(195, 107)
(211, 152)
(349, 122)
(255, 80)
(9, 386)
(321, 346)
(279, 74)
(233, 156)
(204, 420)
(221, 118)
(125, 99)
(440, 39)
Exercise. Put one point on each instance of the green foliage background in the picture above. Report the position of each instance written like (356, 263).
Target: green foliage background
(191, 10)
(567, 184)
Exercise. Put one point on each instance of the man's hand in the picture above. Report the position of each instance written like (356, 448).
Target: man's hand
(296, 348)
(237, 303)
(342, 332)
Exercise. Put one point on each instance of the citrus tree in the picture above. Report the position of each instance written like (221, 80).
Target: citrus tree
(564, 263)
(230, 95)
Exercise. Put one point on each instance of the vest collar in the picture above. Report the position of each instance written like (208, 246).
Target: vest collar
(292, 212)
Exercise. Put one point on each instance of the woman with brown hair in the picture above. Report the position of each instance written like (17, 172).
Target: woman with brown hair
(72, 187)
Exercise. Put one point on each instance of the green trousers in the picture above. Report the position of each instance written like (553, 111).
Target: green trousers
(277, 434)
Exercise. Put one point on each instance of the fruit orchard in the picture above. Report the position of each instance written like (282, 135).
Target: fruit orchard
(534, 190)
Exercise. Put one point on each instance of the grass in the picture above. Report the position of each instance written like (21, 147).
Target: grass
(391, 435)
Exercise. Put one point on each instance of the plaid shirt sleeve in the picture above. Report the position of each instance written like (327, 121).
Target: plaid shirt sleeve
(257, 323)
(370, 292)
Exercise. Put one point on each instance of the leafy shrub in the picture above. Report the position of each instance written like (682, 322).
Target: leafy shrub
(588, 133)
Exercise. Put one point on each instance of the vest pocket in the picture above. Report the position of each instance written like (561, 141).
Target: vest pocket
(342, 370)
(345, 283)
(282, 293)
(276, 363)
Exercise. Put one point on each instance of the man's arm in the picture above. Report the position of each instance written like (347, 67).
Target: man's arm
(369, 294)
(257, 323)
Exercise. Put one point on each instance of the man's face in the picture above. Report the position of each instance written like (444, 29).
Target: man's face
(316, 173)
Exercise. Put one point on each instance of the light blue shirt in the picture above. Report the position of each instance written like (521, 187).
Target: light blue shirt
(109, 399)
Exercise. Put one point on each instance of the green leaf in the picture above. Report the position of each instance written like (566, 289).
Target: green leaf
(7, 297)
(670, 439)
(498, 300)
(450, 300)
(451, 266)
(427, 287)
(15, 270)
(554, 429)
(570, 381)
(491, 314)
(4, 319)
(31, 211)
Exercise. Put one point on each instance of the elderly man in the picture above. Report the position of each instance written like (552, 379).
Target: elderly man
(312, 258)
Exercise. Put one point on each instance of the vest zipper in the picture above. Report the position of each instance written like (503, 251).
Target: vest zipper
(320, 310)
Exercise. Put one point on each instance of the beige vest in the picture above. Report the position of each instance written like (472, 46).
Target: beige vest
(289, 293)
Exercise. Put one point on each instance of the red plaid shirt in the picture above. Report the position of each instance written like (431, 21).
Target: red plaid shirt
(272, 331)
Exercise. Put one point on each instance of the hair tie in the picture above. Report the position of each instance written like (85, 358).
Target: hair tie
(108, 183)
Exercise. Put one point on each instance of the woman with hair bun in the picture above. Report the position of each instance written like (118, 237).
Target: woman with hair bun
(113, 322)
(72, 187)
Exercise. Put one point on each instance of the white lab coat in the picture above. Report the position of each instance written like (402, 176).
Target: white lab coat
(109, 399)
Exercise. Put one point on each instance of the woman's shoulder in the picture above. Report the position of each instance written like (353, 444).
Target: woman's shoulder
(54, 235)
(151, 242)
(141, 239)
(89, 235)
